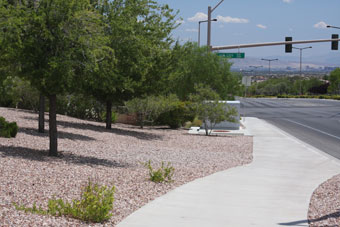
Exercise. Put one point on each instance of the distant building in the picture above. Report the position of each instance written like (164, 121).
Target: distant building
(328, 68)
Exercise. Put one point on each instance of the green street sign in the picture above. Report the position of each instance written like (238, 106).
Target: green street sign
(231, 55)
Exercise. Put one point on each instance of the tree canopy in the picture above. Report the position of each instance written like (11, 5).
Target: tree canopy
(137, 34)
(334, 80)
(194, 65)
(52, 42)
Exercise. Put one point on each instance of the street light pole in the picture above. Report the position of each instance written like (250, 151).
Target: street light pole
(255, 67)
(301, 49)
(199, 30)
(210, 10)
(269, 61)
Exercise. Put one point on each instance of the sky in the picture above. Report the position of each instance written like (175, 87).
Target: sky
(256, 21)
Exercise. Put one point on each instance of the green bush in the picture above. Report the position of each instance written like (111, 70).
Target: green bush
(177, 115)
(197, 122)
(80, 106)
(8, 129)
(18, 93)
(335, 97)
(164, 173)
(13, 129)
(94, 206)
(148, 109)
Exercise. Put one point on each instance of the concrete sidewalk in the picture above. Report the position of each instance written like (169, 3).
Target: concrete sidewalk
(274, 190)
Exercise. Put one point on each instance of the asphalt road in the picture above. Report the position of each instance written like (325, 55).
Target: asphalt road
(314, 121)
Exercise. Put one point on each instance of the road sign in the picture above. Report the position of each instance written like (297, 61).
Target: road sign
(231, 55)
(246, 81)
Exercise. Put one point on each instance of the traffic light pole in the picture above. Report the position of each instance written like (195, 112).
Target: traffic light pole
(270, 44)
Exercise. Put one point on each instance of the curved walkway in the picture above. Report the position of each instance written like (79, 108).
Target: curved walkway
(274, 190)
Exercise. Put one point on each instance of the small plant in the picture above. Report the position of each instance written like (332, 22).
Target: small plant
(113, 117)
(164, 173)
(94, 206)
(32, 209)
(8, 129)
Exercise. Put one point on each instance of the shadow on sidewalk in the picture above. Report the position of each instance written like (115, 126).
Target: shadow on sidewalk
(311, 221)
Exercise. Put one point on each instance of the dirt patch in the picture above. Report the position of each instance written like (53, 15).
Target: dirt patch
(110, 157)
(324, 207)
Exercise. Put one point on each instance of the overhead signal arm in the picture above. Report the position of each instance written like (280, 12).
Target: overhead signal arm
(229, 47)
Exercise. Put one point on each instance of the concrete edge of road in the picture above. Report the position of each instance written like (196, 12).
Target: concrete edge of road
(310, 147)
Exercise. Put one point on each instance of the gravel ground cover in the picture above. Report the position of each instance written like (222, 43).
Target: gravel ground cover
(324, 207)
(110, 157)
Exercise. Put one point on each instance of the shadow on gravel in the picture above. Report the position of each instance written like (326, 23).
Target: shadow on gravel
(312, 221)
(42, 156)
(61, 134)
(97, 128)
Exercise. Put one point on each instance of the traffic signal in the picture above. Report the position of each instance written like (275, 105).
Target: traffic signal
(289, 47)
(335, 44)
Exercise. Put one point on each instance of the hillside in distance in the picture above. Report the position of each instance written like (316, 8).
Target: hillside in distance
(331, 60)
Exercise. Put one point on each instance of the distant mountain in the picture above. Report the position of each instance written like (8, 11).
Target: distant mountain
(285, 61)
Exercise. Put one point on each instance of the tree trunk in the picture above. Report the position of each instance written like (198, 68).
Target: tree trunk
(41, 127)
(53, 126)
(140, 118)
(206, 128)
(108, 114)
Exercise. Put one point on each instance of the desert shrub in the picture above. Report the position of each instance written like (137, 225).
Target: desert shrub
(18, 93)
(8, 129)
(178, 114)
(208, 108)
(164, 173)
(196, 122)
(335, 97)
(80, 106)
(148, 109)
(95, 205)
(13, 129)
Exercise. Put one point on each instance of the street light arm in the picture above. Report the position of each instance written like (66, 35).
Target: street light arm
(217, 6)
(330, 26)
(263, 59)
(303, 48)
(203, 21)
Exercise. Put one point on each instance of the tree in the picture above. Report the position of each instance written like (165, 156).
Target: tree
(55, 43)
(138, 34)
(9, 34)
(209, 108)
(193, 65)
(12, 20)
(334, 80)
